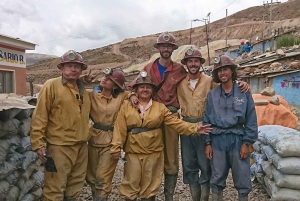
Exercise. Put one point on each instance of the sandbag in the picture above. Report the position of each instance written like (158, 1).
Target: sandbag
(5, 170)
(15, 159)
(268, 151)
(31, 168)
(285, 180)
(37, 193)
(257, 146)
(20, 183)
(9, 114)
(4, 148)
(267, 168)
(13, 177)
(39, 179)
(24, 128)
(280, 194)
(13, 194)
(260, 177)
(289, 165)
(30, 157)
(26, 188)
(4, 189)
(25, 113)
(25, 145)
(27, 197)
(259, 158)
(284, 140)
(9, 128)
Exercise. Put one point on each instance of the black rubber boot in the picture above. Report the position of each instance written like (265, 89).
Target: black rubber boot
(243, 197)
(204, 193)
(195, 190)
(218, 196)
(169, 187)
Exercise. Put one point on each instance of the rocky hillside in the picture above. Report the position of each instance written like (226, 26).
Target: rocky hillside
(33, 58)
(246, 24)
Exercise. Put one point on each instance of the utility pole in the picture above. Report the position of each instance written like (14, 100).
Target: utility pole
(262, 27)
(226, 28)
(195, 20)
(207, 35)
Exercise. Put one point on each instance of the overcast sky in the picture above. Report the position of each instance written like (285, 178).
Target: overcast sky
(59, 25)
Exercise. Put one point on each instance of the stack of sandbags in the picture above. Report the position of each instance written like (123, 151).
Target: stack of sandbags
(20, 178)
(277, 162)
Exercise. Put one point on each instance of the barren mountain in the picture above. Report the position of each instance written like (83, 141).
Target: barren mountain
(246, 24)
(33, 58)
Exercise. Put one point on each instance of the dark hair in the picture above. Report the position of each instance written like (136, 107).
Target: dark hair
(154, 93)
(216, 77)
(115, 92)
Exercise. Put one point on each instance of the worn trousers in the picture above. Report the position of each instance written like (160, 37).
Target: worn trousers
(171, 149)
(100, 171)
(194, 159)
(226, 155)
(142, 175)
(71, 164)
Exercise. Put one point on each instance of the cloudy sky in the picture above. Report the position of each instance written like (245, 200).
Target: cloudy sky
(59, 25)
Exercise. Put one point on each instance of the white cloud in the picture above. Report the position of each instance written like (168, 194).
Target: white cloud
(59, 25)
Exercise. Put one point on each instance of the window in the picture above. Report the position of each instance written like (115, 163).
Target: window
(6, 81)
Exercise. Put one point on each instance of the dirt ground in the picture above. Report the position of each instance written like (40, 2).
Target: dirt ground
(182, 190)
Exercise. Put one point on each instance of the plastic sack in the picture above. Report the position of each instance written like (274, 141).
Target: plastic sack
(30, 157)
(31, 168)
(13, 178)
(9, 128)
(13, 194)
(5, 170)
(15, 159)
(26, 188)
(285, 180)
(37, 193)
(4, 189)
(268, 151)
(25, 145)
(27, 197)
(267, 168)
(257, 146)
(9, 114)
(4, 148)
(25, 113)
(280, 194)
(39, 179)
(24, 128)
(289, 165)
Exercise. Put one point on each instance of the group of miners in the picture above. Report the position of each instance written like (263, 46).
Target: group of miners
(80, 134)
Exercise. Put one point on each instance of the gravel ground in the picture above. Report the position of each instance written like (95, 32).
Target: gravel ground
(182, 190)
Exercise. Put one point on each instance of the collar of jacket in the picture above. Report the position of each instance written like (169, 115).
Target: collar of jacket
(78, 82)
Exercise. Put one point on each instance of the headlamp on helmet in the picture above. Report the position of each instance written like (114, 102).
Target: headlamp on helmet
(190, 51)
(143, 74)
(217, 60)
(166, 37)
(107, 71)
(71, 55)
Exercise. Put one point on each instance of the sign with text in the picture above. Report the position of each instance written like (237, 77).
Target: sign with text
(12, 58)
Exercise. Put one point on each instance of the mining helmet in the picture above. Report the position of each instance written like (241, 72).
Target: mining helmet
(222, 61)
(192, 53)
(116, 75)
(72, 56)
(143, 78)
(166, 38)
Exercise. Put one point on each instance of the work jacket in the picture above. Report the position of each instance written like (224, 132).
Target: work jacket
(146, 142)
(61, 116)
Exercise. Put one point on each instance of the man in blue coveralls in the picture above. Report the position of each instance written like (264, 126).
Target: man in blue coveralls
(233, 118)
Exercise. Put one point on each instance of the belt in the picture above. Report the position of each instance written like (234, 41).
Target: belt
(140, 130)
(236, 126)
(192, 119)
(103, 127)
(172, 109)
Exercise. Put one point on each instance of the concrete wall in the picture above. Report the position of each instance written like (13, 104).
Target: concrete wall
(288, 86)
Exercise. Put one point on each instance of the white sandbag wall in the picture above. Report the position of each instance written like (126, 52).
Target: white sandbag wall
(20, 178)
(277, 162)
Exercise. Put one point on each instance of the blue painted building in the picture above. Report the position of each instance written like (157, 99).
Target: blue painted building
(286, 84)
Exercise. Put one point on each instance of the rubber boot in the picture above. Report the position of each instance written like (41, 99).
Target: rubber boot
(218, 196)
(195, 191)
(148, 199)
(97, 198)
(243, 197)
(169, 188)
(204, 193)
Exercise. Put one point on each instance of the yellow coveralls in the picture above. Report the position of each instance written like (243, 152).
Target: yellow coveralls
(60, 121)
(144, 168)
(101, 166)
